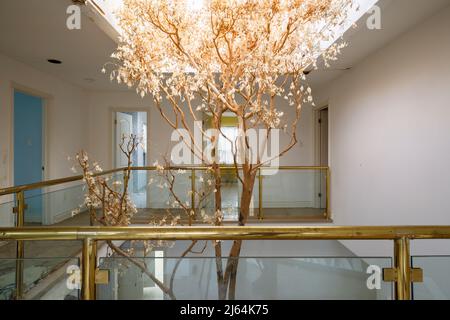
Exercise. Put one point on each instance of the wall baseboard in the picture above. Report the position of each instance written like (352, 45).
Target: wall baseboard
(288, 204)
(61, 216)
(267, 204)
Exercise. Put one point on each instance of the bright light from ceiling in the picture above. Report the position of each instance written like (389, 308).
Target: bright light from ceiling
(194, 5)
(111, 6)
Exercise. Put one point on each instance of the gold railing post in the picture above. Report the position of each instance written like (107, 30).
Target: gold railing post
(402, 265)
(192, 195)
(89, 262)
(260, 192)
(20, 250)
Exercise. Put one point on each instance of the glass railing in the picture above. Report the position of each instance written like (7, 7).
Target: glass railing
(284, 194)
(53, 207)
(137, 188)
(43, 278)
(436, 282)
(290, 194)
(150, 192)
(258, 278)
(281, 194)
(63, 206)
(6, 213)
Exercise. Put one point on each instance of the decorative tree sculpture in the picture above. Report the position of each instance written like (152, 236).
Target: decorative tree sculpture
(244, 57)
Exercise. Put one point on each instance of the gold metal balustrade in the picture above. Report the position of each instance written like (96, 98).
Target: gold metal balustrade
(402, 273)
(325, 215)
(21, 206)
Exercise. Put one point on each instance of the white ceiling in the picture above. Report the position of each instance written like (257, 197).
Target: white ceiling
(33, 31)
(397, 17)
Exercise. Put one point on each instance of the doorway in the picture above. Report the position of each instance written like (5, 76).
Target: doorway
(28, 150)
(323, 137)
(126, 123)
(231, 189)
(322, 157)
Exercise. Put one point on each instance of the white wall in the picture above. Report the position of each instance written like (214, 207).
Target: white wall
(66, 121)
(390, 134)
(102, 104)
(101, 107)
(77, 120)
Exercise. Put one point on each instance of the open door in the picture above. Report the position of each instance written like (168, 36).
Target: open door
(323, 154)
(124, 126)
(126, 123)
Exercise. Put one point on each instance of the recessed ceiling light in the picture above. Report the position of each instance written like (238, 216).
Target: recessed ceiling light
(54, 61)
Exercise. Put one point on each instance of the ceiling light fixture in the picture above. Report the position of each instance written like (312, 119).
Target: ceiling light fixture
(54, 61)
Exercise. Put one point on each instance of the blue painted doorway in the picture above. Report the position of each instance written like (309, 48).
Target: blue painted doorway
(28, 150)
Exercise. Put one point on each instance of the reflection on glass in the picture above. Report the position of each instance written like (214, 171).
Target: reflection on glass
(294, 194)
(436, 282)
(285, 194)
(259, 278)
(44, 278)
(6, 213)
(54, 207)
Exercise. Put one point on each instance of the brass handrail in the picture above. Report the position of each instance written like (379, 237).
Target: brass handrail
(401, 235)
(233, 167)
(227, 233)
(48, 183)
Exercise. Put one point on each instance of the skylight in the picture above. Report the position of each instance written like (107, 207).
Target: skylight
(109, 7)
(362, 6)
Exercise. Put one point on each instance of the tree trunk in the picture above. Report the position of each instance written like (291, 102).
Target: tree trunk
(233, 259)
(221, 286)
(166, 290)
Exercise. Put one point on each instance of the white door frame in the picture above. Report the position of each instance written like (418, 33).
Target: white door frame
(112, 135)
(112, 130)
